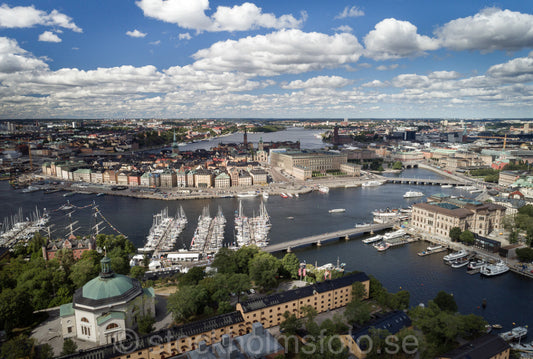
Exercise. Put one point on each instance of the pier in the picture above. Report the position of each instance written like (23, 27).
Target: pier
(320, 239)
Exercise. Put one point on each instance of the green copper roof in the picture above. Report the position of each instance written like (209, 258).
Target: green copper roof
(113, 315)
(102, 288)
(66, 310)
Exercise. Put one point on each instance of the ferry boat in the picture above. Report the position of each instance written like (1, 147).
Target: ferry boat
(514, 334)
(413, 194)
(247, 194)
(455, 255)
(377, 238)
(372, 184)
(491, 270)
(395, 234)
(337, 210)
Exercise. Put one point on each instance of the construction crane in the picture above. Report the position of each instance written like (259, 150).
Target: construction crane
(505, 138)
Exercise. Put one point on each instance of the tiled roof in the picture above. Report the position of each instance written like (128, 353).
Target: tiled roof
(393, 322)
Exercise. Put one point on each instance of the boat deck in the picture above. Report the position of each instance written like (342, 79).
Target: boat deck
(427, 253)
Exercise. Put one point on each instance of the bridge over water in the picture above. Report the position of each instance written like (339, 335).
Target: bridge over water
(424, 181)
(325, 237)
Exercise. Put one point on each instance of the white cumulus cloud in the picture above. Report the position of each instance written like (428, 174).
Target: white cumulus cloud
(190, 14)
(318, 82)
(185, 36)
(14, 59)
(490, 29)
(343, 28)
(28, 16)
(49, 36)
(135, 33)
(353, 11)
(286, 51)
(393, 39)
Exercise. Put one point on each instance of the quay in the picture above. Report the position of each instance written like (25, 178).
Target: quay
(427, 253)
(319, 239)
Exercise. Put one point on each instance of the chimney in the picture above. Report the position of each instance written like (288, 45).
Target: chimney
(202, 346)
(225, 340)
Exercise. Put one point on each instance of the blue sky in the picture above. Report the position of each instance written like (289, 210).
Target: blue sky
(304, 59)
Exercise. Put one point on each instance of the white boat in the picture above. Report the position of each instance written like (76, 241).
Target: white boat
(491, 270)
(433, 248)
(458, 263)
(30, 189)
(246, 194)
(514, 334)
(455, 255)
(337, 210)
(323, 189)
(381, 247)
(521, 347)
(372, 184)
(395, 234)
(413, 194)
(377, 238)
(476, 264)
(265, 195)
(446, 186)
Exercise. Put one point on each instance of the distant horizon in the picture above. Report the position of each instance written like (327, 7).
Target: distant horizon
(337, 119)
(263, 59)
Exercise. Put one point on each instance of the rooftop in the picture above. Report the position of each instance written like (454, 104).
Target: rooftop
(486, 346)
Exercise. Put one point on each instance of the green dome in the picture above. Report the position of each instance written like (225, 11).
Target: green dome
(104, 288)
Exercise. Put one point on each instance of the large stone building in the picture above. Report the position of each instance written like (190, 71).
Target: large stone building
(77, 246)
(106, 307)
(314, 161)
(439, 217)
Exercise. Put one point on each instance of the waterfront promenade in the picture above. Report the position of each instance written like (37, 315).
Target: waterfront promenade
(319, 239)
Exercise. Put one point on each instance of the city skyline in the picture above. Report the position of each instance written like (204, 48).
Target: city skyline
(184, 58)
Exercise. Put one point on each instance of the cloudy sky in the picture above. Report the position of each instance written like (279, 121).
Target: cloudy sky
(290, 58)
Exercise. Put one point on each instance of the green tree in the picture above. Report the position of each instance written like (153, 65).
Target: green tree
(263, 270)
(45, 351)
(445, 302)
(397, 165)
(225, 261)
(291, 324)
(357, 312)
(145, 324)
(455, 234)
(238, 283)
(69, 347)
(290, 264)
(358, 291)
(83, 271)
(187, 301)
(224, 307)
(137, 272)
(193, 276)
(467, 237)
(18, 347)
(15, 309)
(243, 257)
(525, 254)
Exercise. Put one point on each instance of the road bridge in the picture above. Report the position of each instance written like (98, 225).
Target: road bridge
(319, 239)
(423, 181)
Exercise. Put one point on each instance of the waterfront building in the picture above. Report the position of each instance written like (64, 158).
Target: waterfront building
(155, 179)
(222, 180)
(322, 296)
(168, 178)
(259, 176)
(82, 174)
(393, 322)
(439, 217)
(97, 176)
(234, 176)
(351, 169)
(203, 178)
(77, 246)
(110, 177)
(315, 161)
(134, 179)
(245, 179)
(489, 346)
(145, 179)
(122, 179)
(106, 307)
(181, 178)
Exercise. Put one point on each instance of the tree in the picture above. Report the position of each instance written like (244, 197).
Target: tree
(359, 291)
(397, 165)
(225, 261)
(46, 351)
(357, 312)
(187, 301)
(145, 324)
(243, 257)
(291, 324)
(69, 347)
(18, 347)
(193, 276)
(445, 302)
(455, 234)
(525, 254)
(467, 237)
(263, 270)
(137, 272)
(83, 271)
(290, 264)
(224, 307)
(238, 283)
(15, 309)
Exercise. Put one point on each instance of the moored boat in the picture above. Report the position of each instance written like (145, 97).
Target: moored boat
(372, 184)
(514, 334)
(491, 270)
(458, 263)
(323, 189)
(381, 247)
(455, 255)
(395, 234)
(337, 210)
(476, 264)
(377, 238)
(413, 194)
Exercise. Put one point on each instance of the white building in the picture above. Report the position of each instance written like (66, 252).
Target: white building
(105, 307)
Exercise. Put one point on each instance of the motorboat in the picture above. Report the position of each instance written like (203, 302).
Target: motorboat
(521, 347)
(283, 195)
(458, 263)
(337, 210)
(413, 194)
(323, 189)
(381, 247)
(246, 194)
(514, 334)
(433, 248)
(476, 264)
(30, 189)
(491, 270)
(265, 195)
(455, 255)
(446, 186)
(377, 238)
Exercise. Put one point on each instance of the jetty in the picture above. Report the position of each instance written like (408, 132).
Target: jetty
(320, 239)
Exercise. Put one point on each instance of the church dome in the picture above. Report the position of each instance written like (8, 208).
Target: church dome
(107, 289)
